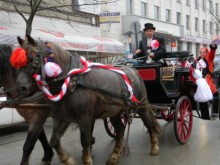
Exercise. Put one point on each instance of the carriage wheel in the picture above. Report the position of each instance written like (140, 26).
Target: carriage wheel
(110, 129)
(183, 119)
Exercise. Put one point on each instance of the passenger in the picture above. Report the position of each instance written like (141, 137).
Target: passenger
(145, 47)
(205, 64)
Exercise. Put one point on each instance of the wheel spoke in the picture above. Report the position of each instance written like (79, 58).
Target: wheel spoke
(183, 132)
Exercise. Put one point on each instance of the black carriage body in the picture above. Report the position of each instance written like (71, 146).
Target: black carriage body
(165, 85)
(170, 92)
(156, 89)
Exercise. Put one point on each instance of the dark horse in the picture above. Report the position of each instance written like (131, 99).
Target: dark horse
(99, 93)
(35, 117)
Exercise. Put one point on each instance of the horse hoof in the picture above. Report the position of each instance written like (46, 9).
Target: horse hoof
(113, 159)
(87, 163)
(71, 161)
(154, 152)
(46, 163)
(86, 160)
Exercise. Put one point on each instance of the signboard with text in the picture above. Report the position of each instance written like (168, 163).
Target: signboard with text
(109, 17)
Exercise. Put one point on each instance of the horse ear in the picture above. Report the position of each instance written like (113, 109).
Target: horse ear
(20, 41)
(31, 40)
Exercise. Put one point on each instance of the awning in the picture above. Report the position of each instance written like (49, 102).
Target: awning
(8, 35)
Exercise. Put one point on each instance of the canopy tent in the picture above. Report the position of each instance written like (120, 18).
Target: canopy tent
(8, 34)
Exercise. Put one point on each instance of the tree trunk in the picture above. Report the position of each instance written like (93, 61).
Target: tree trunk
(28, 27)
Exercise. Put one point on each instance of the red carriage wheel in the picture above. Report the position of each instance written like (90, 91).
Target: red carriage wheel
(110, 129)
(183, 119)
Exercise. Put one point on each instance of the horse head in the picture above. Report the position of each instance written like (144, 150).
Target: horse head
(31, 59)
(27, 60)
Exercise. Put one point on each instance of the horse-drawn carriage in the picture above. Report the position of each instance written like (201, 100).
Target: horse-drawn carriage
(170, 92)
(87, 91)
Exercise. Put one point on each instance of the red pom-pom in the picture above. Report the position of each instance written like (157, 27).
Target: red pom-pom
(18, 58)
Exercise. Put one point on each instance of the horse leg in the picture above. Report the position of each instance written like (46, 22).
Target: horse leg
(93, 138)
(153, 127)
(33, 133)
(48, 152)
(119, 129)
(86, 128)
(59, 128)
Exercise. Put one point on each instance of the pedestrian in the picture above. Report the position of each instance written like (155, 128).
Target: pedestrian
(153, 46)
(205, 64)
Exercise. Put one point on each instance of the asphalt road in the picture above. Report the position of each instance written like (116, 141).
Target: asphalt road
(202, 147)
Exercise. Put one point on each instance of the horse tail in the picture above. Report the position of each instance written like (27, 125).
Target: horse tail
(152, 121)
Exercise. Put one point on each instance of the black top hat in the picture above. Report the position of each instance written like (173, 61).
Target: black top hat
(149, 26)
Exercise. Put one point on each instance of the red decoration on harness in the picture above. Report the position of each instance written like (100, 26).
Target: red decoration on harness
(18, 58)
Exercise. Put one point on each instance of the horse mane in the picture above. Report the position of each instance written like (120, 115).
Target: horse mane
(5, 54)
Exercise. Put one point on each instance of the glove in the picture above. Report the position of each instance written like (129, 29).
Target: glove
(194, 65)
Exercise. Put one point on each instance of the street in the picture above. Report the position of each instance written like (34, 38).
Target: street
(202, 147)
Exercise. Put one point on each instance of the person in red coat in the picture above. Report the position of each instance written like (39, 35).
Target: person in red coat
(205, 64)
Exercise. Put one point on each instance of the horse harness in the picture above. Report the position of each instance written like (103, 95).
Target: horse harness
(76, 81)
(106, 96)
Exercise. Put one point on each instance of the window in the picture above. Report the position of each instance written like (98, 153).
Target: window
(178, 18)
(210, 5)
(216, 29)
(187, 22)
(196, 4)
(189, 47)
(216, 9)
(156, 12)
(143, 9)
(197, 48)
(210, 28)
(187, 3)
(178, 1)
(167, 15)
(179, 45)
(203, 26)
(129, 6)
(203, 5)
(196, 24)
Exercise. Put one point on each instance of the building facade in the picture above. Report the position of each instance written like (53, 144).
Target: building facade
(185, 24)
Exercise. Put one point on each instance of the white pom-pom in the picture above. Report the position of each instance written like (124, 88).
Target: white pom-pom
(52, 69)
(154, 44)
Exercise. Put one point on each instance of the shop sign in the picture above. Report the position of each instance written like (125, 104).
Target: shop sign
(109, 17)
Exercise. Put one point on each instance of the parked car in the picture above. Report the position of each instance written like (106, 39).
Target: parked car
(9, 116)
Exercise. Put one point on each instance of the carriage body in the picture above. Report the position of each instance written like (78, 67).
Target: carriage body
(169, 86)
(170, 92)
(166, 83)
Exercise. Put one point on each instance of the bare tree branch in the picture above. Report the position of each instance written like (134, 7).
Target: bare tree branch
(22, 15)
